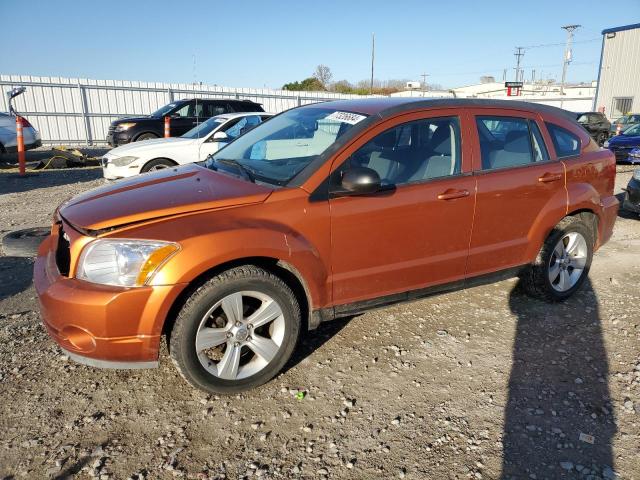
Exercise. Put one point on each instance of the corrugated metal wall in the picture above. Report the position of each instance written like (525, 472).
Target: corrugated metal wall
(620, 71)
(79, 110)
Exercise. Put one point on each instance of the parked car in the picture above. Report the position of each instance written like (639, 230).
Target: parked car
(8, 136)
(623, 123)
(184, 114)
(632, 193)
(195, 145)
(621, 145)
(597, 124)
(323, 211)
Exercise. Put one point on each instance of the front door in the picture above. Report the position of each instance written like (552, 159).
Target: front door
(518, 183)
(414, 233)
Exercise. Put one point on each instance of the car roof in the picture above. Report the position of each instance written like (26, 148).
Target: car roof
(387, 106)
(241, 100)
(229, 116)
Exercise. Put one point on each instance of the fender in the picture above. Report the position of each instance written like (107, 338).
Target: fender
(553, 211)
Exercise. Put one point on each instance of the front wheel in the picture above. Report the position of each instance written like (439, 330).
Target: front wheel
(563, 262)
(236, 331)
(157, 164)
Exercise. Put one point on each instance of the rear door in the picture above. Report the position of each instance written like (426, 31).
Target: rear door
(518, 183)
(416, 233)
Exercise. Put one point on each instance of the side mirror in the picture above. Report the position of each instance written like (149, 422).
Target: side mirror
(220, 137)
(175, 115)
(361, 180)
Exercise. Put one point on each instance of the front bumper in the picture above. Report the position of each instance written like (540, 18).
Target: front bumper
(101, 325)
(115, 139)
(632, 196)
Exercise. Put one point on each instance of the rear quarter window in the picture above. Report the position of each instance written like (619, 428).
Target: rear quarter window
(566, 143)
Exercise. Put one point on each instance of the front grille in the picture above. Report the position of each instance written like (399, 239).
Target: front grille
(63, 253)
(105, 161)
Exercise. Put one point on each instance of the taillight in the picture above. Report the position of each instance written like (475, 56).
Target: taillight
(25, 123)
(618, 128)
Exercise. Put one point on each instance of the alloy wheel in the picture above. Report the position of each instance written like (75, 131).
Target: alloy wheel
(240, 335)
(568, 261)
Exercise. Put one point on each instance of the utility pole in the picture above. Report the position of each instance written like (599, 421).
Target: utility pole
(567, 57)
(519, 54)
(504, 75)
(424, 81)
(373, 51)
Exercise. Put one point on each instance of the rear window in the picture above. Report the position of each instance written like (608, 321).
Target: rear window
(566, 143)
(246, 107)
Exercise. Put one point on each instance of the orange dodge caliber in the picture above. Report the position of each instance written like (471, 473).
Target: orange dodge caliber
(323, 211)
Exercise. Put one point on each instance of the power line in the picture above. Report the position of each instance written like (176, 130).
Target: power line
(567, 57)
(543, 45)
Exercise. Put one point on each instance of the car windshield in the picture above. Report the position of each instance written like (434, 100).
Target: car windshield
(633, 130)
(277, 150)
(162, 111)
(205, 128)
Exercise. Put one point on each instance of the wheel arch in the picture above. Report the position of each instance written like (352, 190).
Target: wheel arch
(158, 158)
(145, 132)
(284, 270)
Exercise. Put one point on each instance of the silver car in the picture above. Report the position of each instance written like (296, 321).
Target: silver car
(8, 137)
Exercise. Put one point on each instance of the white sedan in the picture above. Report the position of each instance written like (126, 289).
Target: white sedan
(194, 146)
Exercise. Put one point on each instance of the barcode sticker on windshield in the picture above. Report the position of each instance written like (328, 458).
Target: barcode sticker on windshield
(346, 117)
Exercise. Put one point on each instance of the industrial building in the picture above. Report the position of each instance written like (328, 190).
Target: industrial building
(618, 90)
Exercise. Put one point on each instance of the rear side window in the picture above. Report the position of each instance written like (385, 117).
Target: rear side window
(509, 142)
(567, 144)
(216, 108)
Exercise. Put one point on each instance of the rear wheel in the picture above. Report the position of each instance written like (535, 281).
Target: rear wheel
(236, 331)
(158, 164)
(563, 262)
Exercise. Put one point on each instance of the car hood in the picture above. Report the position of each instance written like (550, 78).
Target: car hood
(170, 191)
(624, 140)
(141, 118)
(152, 144)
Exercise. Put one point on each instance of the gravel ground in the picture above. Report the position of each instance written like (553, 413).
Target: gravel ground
(482, 383)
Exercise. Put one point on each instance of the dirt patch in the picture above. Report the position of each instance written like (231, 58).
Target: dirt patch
(482, 383)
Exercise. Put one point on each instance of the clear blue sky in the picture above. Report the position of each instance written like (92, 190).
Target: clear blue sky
(260, 43)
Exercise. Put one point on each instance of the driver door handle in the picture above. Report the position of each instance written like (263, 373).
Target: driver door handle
(451, 194)
(550, 177)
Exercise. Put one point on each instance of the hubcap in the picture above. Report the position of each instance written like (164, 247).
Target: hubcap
(568, 261)
(240, 335)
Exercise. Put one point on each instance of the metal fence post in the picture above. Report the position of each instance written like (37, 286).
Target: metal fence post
(87, 123)
(299, 100)
(170, 93)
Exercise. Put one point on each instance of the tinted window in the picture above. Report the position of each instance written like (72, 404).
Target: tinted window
(216, 108)
(246, 107)
(509, 142)
(413, 152)
(565, 142)
(185, 110)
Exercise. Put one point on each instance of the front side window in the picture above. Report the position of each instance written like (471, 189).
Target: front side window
(413, 152)
(277, 150)
(509, 142)
(205, 128)
(566, 143)
(184, 111)
(242, 126)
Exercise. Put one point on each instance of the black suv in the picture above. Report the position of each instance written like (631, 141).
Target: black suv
(596, 124)
(184, 114)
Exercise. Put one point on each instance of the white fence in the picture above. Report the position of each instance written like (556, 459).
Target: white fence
(79, 111)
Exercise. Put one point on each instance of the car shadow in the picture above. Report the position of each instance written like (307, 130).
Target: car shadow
(312, 340)
(12, 182)
(16, 274)
(559, 420)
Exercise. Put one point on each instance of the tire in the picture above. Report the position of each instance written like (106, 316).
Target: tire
(205, 360)
(24, 243)
(602, 137)
(540, 280)
(158, 164)
(146, 136)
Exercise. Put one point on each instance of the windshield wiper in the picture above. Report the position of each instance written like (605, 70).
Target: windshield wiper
(244, 171)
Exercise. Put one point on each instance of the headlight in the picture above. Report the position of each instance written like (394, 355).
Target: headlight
(606, 144)
(123, 161)
(125, 263)
(121, 127)
(636, 174)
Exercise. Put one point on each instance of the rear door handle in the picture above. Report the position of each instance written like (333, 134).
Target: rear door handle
(451, 194)
(550, 177)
